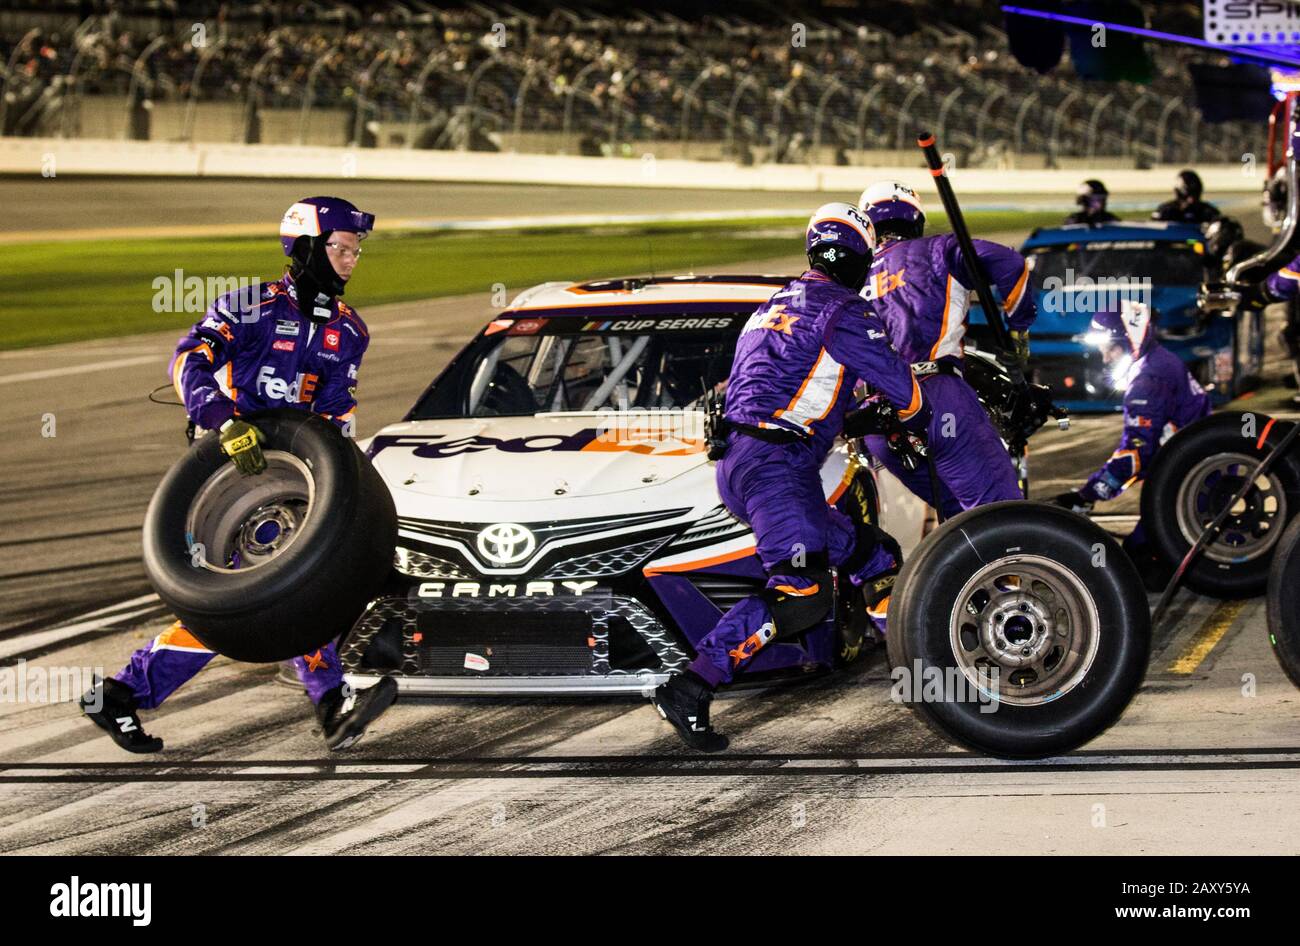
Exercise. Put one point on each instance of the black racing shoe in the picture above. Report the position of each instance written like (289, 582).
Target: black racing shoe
(344, 712)
(116, 715)
(684, 702)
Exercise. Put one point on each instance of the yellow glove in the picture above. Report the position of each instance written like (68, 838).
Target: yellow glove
(1020, 348)
(242, 442)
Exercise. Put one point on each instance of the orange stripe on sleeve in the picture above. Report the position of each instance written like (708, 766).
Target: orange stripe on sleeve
(915, 405)
(1013, 299)
(179, 365)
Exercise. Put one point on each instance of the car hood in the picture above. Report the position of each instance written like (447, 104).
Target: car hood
(541, 457)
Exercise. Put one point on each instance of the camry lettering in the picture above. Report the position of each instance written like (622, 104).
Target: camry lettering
(474, 589)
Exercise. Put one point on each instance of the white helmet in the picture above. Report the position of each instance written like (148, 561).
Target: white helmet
(894, 209)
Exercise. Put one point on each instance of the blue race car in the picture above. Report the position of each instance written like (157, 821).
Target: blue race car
(1077, 269)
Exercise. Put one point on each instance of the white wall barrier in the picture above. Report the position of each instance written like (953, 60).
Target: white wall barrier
(69, 156)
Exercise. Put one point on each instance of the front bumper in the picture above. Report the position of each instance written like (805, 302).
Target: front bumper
(598, 642)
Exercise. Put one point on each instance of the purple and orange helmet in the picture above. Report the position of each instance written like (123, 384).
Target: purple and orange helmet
(316, 216)
(841, 242)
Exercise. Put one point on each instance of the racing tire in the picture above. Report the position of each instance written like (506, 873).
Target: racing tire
(1194, 474)
(1283, 602)
(268, 567)
(1019, 629)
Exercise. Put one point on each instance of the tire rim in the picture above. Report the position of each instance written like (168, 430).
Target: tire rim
(1252, 529)
(243, 522)
(1024, 630)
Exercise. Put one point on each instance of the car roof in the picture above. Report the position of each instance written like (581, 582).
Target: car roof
(641, 295)
(1109, 232)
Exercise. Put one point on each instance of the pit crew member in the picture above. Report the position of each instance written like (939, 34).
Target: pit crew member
(1160, 397)
(790, 386)
(1187, 206)
(291, 343)
(919, 287)
(1091, 198)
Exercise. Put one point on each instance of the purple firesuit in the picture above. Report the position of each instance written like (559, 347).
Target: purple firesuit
(921, 291)
(1285, 283)
(1161, 398)
(791, 382)
(251, 354)
(254, 350)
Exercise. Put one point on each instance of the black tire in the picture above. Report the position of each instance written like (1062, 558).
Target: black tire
(1090, 636)
(1194, 474)
(302, 593)
(1284, 602)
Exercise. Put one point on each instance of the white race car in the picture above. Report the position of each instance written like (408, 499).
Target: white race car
(559, 526)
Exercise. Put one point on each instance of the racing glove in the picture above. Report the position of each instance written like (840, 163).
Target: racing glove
(876, 416)
(1073, 501)
(1255, 295)
(1020, 348)
(242, 442)
(905, 439)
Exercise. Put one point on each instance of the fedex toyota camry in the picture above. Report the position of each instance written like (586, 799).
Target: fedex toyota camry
(559, 529)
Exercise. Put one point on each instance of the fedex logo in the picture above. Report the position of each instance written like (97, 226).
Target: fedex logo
(882, 284)
(775, 318)
(300, 391)
(220, 327)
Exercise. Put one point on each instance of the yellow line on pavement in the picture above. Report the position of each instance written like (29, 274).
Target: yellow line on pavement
(1210, 633)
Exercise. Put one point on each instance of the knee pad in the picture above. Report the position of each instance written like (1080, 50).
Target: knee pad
(798, 598)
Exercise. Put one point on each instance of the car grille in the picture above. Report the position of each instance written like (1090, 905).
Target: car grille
(422, 565)
(460, 537)
(536, 644)
(532, 636)
(608, 563)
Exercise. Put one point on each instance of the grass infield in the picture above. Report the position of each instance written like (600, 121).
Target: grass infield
(70, 291)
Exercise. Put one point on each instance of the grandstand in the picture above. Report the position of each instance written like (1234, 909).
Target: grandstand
(847, 87)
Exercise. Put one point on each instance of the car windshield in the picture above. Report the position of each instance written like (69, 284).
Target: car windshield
(541, 366)
(1164, 263)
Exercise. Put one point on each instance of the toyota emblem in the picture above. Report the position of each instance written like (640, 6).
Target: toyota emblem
(504, 543)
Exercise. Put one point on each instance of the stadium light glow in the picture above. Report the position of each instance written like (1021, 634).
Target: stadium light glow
(1241, 52)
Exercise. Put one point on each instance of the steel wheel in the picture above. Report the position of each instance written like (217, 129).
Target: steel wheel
(1025, 630)
(1252, 528)
(242, 522)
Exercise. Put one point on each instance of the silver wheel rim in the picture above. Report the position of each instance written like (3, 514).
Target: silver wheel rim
(1254, 525)
(238, 522)
(1024, 630)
